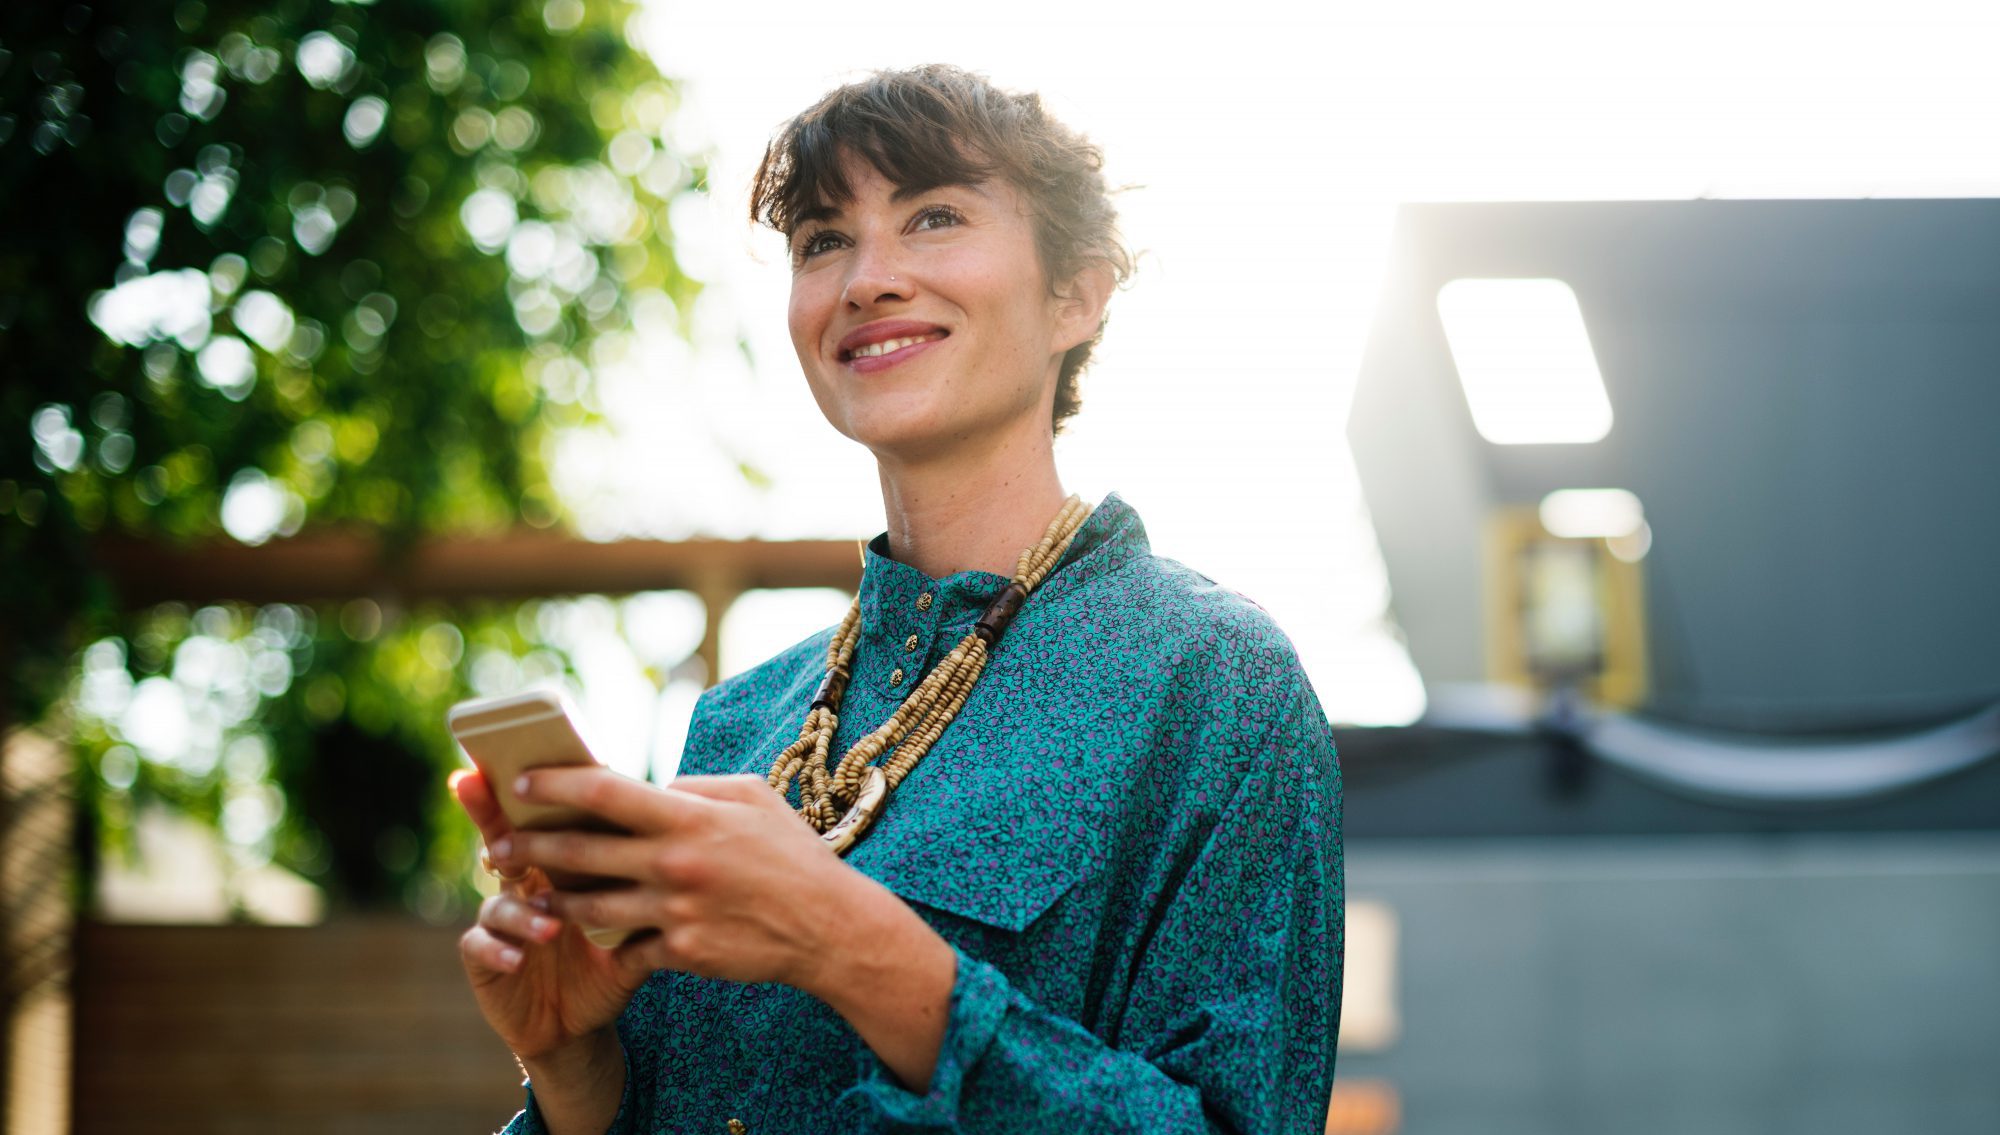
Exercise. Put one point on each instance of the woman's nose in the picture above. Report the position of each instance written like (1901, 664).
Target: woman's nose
(874, 278)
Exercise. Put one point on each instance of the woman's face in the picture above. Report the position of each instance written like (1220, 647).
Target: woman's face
(923, 321)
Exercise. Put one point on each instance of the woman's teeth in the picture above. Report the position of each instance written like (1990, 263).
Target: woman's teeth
(885, 346)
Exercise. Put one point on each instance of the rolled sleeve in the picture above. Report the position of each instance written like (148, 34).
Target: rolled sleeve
(980, 998)
(528, 1121)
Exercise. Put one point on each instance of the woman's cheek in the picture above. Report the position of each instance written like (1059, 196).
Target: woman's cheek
(808, 311)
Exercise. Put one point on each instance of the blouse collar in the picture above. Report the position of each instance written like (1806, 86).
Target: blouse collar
(1111, 537)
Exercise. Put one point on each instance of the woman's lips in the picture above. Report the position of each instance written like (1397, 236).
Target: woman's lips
(891, 352)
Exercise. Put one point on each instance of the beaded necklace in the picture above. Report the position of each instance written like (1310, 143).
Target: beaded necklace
(840, 804)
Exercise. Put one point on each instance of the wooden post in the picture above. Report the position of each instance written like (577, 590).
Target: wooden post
(718, 588)
(6, 923)
(37, 923)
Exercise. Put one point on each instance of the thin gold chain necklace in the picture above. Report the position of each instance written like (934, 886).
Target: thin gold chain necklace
(842, 803)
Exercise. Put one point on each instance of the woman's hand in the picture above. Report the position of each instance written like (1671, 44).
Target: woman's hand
(738, 887)
(547, 991)
(734, 883)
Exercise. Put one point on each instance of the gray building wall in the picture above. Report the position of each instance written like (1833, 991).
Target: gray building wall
(1822, 984)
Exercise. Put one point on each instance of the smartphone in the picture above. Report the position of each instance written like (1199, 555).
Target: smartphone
(505, 737)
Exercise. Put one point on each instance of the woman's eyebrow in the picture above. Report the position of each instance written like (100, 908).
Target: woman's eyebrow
(905, 192)
(819, 212)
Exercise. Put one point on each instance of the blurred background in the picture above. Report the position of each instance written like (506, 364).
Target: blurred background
(1603, 401)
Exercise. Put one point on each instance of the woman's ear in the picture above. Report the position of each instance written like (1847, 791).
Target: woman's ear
(1080, 306)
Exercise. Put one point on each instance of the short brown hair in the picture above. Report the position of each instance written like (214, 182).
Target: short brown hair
(939, 125)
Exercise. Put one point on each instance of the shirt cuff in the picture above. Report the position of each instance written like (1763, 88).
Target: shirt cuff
(528, 1121)
(979, 1000)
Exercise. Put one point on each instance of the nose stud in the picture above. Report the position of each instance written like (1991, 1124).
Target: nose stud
(846, 292)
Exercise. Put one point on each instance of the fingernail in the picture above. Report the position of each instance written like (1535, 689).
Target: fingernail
(510, 957)
(541, 925)
(521, 785)
(457, 775)
(539, 902)
(503, 847)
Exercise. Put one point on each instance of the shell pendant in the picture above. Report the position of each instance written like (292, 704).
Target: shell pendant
(868, 804)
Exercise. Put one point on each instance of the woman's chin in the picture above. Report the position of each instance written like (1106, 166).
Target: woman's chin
(924, 423)
(905, 442)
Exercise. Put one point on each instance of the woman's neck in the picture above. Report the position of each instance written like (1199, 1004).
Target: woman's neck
(974, 513)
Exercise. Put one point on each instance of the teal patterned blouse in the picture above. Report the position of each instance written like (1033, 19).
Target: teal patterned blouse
(1130, 836)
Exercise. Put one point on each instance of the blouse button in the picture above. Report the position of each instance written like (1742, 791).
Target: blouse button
(738, 1127)
(924, 601)
(896, 679)
(910, 645)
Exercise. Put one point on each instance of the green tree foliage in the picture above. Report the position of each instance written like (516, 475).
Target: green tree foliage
(270, 263)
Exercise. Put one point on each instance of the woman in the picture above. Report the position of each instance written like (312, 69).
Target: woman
(1105, 891)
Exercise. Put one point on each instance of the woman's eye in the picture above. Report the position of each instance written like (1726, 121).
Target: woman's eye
(936, 218)
(817, 243)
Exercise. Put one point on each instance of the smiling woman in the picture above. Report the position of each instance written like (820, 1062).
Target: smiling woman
(938, 128)
(1045, 834)
(911, 325)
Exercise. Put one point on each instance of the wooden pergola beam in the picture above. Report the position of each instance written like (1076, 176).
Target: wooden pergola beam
(336, 566)
(346, 565)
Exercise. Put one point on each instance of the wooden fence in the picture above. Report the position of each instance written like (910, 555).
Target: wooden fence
(354, 1026)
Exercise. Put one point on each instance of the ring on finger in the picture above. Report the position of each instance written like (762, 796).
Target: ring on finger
(486, 862)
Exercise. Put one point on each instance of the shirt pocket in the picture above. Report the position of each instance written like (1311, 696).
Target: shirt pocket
(998, 854)
(1004, 887)
(1000, 822)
